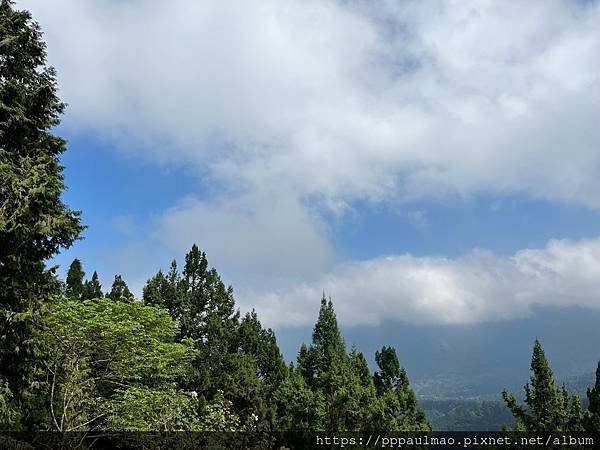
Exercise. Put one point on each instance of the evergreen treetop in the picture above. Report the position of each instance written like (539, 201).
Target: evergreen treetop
(548, 408)
(92, 288)
(120, 290)
(74, 281)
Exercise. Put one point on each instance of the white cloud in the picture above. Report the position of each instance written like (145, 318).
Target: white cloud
(255, 238)
(343, 100)
(478, 287)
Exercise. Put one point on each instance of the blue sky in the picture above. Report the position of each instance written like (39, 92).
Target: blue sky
(427, 162)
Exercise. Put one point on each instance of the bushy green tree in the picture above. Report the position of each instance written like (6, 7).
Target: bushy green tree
(548, 407)
(101, 360)
(260, 369)
(166, 291)
(34, 222)
(299, 408)
(10, 416)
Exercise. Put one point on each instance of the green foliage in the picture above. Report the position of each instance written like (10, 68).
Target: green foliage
(144, 409)
(592, 420)
(548, 408)
(165, 290)
(10, 416)
(299, 408)
(92, 288)
(34, 222)
(237, 357)
(467, 415)
(343, 391)
(399, 400)
(119, 290)
(95, 352)
(74, 281)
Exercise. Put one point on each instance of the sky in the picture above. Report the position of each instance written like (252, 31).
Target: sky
(429, 163)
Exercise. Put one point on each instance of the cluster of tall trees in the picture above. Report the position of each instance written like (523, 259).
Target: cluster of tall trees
(183, 358)
(75, 287)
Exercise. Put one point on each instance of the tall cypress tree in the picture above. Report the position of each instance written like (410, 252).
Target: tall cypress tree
(119, 290)
(592, 421)
(327, 347)
(399, 401)
(166, 291)
(341, 382)
(549, 408)
(34, 222)
(74, 281)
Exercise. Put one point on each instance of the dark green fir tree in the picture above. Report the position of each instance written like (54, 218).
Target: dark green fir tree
(92, 288)
(401, 411)
(548, 407)
(74, 285)
(119, 290)
(34, 222)
(592, 420)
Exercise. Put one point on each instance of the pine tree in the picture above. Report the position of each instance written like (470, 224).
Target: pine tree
(207, 309)
(120, 291)
(92, 289)
(327, 347)
(549, 408)
(262, 345)
(592, 420)
(398, 399)
(74, 282)
(299, 408)
(204, 309)
(153, 292)
(34, 222)
(342, 382)
(389, 369)
(167, 291)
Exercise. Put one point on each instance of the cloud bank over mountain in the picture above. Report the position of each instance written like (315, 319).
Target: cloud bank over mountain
(478, 287)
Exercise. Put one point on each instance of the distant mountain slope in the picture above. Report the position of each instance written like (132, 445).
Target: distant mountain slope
(467, 415)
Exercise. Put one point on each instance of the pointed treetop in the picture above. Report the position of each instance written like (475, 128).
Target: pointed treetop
(119, 290)
(74, 281)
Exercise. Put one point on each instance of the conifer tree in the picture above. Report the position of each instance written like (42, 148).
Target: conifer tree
(262, 345)
(120, 291)
(398, 398)
(299, 408)
(166, 291)
(206, 302)
(92, 289)
(592, 420)
(153, 292)
(346, 387)
(74, 281)
(34, 222)
(549, 408)
(327, 347)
